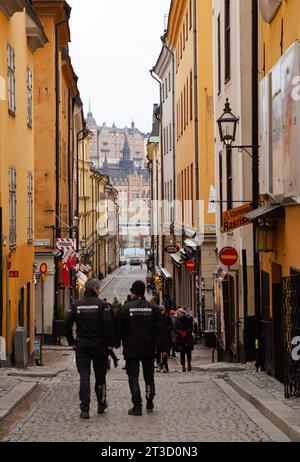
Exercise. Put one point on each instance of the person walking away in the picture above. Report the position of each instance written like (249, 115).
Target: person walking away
(111, 353)
(94, 329)
(173, 334)
(139, 323)
(185, 340)
(142, 264)
(167, 327)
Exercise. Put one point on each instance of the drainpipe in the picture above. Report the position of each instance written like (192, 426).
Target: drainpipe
(196, 112)
(255, 178)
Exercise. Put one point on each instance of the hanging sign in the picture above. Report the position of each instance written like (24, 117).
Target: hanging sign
(228, 256)
(235, 218)
(190, 265)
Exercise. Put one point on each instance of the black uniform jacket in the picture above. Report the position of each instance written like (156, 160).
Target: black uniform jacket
(138, 325)
(94, 324)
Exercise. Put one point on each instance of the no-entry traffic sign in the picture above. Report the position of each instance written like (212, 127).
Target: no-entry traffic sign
(228, 256)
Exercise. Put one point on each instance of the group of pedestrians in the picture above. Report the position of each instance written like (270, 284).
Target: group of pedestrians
(144, 330)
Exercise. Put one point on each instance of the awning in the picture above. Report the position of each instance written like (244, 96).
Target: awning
(165, 273)
(267, 211)
(193, 243)
(176, 257)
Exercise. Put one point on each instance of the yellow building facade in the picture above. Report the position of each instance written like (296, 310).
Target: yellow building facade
(279, 53)
(21, 33)
(190, 33)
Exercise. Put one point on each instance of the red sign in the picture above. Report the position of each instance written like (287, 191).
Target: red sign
(13, 274)
(43, 268)
(228, 256)
(9, 261)
(190, 265)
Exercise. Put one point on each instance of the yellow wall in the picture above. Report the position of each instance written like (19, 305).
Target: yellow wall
(185, 142)
(287, 230)
(179, 22)
(16, 150)
(206, 106)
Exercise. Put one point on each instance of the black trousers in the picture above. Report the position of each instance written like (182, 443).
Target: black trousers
(84, 358)
(133, 370)
(188, 355)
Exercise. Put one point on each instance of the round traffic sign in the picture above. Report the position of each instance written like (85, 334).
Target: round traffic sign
(228, 256)
(190, 265)
(43, 268)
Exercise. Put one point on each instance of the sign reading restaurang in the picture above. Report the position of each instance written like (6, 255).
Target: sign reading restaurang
(235, 218)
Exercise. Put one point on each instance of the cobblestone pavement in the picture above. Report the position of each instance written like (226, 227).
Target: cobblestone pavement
(120, 282)
(189, 407)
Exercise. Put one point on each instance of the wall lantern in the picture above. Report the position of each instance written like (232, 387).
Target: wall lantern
(227, 124)
(265, 236)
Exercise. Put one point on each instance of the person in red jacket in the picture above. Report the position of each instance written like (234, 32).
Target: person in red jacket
(185, 340)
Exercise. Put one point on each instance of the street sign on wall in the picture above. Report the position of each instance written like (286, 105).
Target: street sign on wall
(235, 218)
(228, 256)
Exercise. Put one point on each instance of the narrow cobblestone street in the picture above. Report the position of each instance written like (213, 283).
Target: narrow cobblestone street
(189, 407)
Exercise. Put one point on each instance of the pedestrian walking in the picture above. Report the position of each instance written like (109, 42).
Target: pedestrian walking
(173, 334)
(128, 299)
(142, 264)
(139, 323)
(167, 327)
(111, 353)
(94, 329)
(185, 340)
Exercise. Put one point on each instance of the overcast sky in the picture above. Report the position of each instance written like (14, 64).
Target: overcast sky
(114, 44)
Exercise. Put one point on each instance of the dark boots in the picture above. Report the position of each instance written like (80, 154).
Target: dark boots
(136, 411)
(101, 397)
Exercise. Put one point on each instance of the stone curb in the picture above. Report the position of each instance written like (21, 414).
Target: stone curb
(50, 373)
(219, 367)
(17, 395)
(280, 414)
(273, 432)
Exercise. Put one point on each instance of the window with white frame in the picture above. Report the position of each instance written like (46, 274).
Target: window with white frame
(29, 97)
(11, 76)
(12, 207)
(30, 206)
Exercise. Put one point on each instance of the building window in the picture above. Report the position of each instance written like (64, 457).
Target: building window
(184, 36)
(12, 207)
(227, 41)
(29, 97)
(219, 55)
(191, 14)
(229, 178)
(191, 95)
(184, 108)
(30, 206)
(187, 26)
(181, 113)
(181, 45)
(170, 87)
(11, 74)
(170, 129)
(192, 194)
(221, 187)
(166, 88)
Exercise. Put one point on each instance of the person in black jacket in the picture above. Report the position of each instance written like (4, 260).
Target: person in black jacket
(185, 340)
(138, 325)
(167, 327)
(95, 338)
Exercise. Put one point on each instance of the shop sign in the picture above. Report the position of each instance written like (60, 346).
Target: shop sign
(235, 218)
(172, 248)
